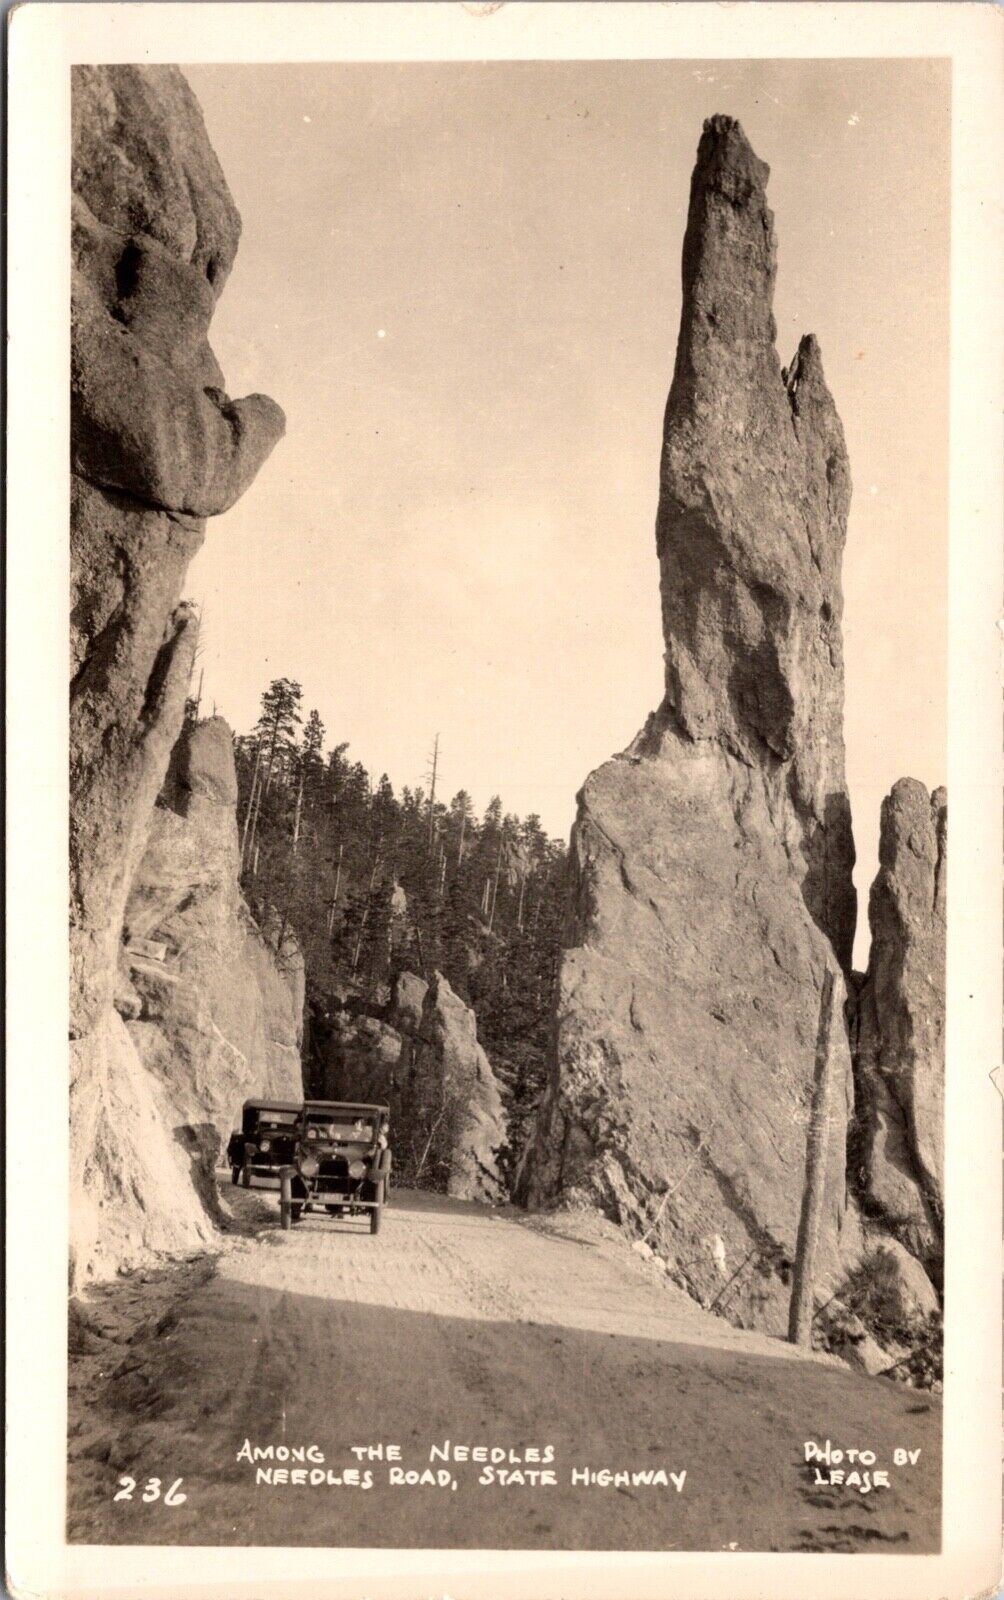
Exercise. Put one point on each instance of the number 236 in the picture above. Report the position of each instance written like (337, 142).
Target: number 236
(151, 1491)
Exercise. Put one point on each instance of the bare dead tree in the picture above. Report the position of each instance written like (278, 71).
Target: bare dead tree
(437, 1124)
(431, 775)
(702, 1146)
(498, 873)
(299, 808)
(366, 914)
(800, 1310)
(251, 800)
(334, 896)
(263, 787)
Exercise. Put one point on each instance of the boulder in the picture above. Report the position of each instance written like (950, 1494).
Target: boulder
(900, 1046)
(846, 1335)
(156, 446)
(916, 1293)
(407, 1003)
(710, 863)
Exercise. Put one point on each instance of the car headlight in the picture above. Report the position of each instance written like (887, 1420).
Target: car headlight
(309, 1166)
(250, 1150)
(264, 1146)
(357, 1169)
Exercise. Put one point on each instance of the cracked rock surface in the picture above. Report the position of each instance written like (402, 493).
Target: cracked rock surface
(220, 1014)
(900, 1054)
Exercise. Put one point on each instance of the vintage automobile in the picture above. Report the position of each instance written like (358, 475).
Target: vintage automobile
(265, 1141)
(341, 1162)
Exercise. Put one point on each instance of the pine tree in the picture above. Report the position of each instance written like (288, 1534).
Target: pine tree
(325, 848)
(275, 733)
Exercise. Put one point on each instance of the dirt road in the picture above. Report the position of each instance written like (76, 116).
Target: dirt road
(554, 1342)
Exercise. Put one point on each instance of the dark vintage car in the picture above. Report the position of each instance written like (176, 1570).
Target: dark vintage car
(266, 1140)
(341, 1162)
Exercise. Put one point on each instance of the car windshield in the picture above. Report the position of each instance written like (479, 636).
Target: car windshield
(278, 1121)
(358, 1130)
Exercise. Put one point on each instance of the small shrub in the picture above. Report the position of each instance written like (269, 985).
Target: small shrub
(872, 1289)
(873, 1292)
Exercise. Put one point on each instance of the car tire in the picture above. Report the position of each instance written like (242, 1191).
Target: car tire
(235, 1174)
(296, 1210)
(245, 1178)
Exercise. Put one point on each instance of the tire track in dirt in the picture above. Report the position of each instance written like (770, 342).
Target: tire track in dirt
(454, 1323)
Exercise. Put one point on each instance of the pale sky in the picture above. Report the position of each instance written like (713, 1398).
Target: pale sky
(462, 283)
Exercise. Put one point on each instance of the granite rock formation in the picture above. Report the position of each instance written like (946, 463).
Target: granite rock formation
(711, 861)
(218, 1011)
(448, 1066)
(156, 446)
(423, 1059)
(899, 1057)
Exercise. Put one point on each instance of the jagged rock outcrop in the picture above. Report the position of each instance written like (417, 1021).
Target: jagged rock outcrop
(423, 1059)
(900, 1045)
(156, 446)
(711, 861)
(449, 1068)
(219, 1015)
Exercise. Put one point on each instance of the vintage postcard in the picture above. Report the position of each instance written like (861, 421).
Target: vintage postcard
(512, 1107)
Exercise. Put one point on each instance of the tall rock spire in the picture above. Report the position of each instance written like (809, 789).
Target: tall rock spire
(711, 861)
(754, 495)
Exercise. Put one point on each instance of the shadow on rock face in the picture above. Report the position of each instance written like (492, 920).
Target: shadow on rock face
(204, 1146)
(830, 897)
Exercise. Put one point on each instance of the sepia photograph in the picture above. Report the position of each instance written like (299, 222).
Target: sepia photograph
(509, 527)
